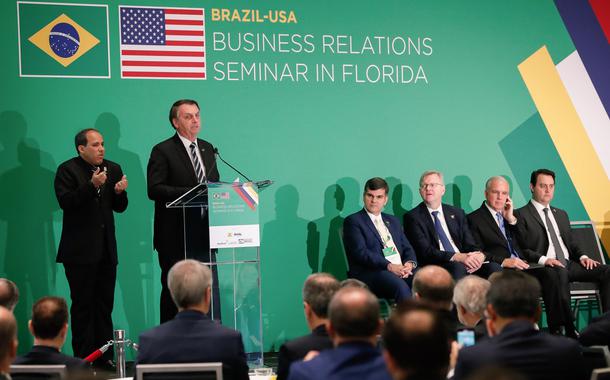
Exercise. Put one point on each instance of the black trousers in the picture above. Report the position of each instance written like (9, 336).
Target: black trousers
(92, 294)
(555, 283)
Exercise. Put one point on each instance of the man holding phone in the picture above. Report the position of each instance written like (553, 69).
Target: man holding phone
(494, 227)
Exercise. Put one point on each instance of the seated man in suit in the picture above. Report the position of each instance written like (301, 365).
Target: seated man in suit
(377, 250)
(433, 286)
(49, 326)
(192, 337)
(440, 234)
(318, 290)
(494, 227)
(545, 238)
(8, 341)
(354, 325)
(470, 299)
(513, 309)
(416, 346)
(9, 294)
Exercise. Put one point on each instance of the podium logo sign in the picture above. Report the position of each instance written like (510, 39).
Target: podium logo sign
(63, 40)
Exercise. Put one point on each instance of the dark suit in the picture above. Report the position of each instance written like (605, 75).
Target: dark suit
(364, 249)
(487, 234)
(420, 230)
(296, 349)
(353, 360)
(88, 249)
(50, 355)
(170, 174)
(536, 354)
(532, 237)
(191, 337)
(597, 333)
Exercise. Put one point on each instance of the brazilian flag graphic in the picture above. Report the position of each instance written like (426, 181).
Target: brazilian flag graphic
(63, 40)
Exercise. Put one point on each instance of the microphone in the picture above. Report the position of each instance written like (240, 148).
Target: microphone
(229, 165)
(97, 353)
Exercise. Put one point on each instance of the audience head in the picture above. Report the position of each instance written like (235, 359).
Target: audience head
(352, 282)
(542, 186)
(8, 338)
(318, 290)
(496, 192)
(512, 295)
(432, 188)
(375, 195)
(354, 316)
(190, 283)
(9, 294)
(416, 342)
(49, 320)
(470, 299)
(433, 285)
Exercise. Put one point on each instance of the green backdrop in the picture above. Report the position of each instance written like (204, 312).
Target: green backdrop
(319, 141)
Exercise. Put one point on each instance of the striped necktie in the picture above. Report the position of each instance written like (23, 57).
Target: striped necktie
(196, 163)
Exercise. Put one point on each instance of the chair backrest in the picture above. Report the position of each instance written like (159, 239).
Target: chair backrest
(179, 371)
(595, 357)
(584, 234)
(601, 374)
(38, 371)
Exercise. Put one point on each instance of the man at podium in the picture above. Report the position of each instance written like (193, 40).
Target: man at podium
(175, 166)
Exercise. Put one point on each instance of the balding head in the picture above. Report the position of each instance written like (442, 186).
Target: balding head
(9, 294)
(434, 285)
(8, 338)
(189, 283)
(354, 315)
(416, 342)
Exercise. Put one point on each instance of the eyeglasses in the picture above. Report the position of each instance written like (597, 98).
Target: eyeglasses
(430, 186)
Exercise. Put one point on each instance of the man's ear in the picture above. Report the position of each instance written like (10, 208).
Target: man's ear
(30, 327)
(537, 314)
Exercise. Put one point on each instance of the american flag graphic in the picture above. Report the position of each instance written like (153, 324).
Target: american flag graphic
(162, 43)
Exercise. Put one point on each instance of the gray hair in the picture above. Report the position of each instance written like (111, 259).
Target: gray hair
(188, 281)
(430, 172)
(471, 293)
(494, 178)
(318, 290)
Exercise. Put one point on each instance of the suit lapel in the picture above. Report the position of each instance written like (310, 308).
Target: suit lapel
(532, 210)
(369, 223)
(451, 224)
(184, 156)
(427, 218)
(491, 223)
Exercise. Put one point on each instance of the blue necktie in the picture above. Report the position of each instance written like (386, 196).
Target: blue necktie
(501, 224)
(441, 234)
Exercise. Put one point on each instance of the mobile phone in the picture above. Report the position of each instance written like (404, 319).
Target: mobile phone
(465, 337)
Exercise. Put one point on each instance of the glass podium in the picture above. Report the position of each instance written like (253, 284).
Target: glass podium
(233, 257)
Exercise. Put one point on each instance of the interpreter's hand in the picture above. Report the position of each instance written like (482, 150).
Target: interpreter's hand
(553, 263)
(515, 263)
(589, 263)
(98, 178)
(120, 186)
